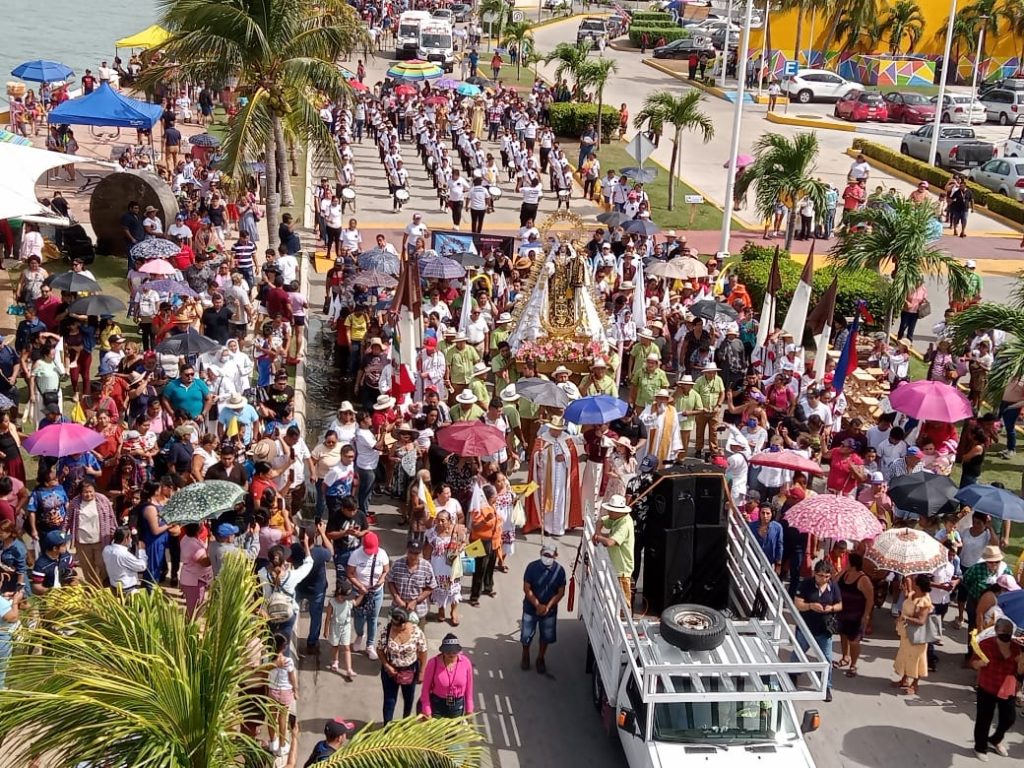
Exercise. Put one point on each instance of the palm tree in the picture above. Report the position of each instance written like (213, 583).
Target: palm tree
(1013, 14)
(502, 12)
(595, 74)
(904, 20)
(105, 681)
(1009, 318)
(519, 34)
(897, 233)
(570, 58)
(683, 114)
(857, 22)
(283, 53)
(783, 171)
(964, 34)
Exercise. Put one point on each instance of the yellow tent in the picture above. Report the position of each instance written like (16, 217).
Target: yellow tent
(150, 37)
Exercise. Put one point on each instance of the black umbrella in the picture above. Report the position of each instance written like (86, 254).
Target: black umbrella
(710, 310)
(189, 343)
(97, 305)
(482, 82)
(644, 227)
(643, 175)
(542, 392)
(923, 493)
(468, 259)
(75, 282)
(613, 218)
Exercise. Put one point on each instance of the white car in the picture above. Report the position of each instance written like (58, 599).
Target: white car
(1002, 105)
(1002, 175)
(809, 85)
(443, 14)
(961, 108)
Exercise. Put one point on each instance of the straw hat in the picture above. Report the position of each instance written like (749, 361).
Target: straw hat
(560, 369)
(503, 319)
(599, 362)
(616, 505)
(625, 443)
(509, 394)
(481, 368)
(556, 422)
(346, 407)
(710, 368)
(376, 340)
(465, 397)
(654, 357)
(686, 379)
(663, 393)
(384, 402)
(236, 401)
(992, 554)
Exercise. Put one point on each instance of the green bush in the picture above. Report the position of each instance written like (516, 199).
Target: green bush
(654, 32)
(570, 119)
(1004, 206)
(756, 261)
(653, 19)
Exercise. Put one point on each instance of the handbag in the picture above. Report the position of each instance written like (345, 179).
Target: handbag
(831, 623)
(924, 309)
(468, 565)
(365, 608)
(929, 632)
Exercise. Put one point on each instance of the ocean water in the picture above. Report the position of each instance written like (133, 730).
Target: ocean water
(79, 33)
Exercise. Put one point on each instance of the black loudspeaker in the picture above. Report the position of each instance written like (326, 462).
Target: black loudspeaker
(683, 499)
(668, 563)
(709, 574)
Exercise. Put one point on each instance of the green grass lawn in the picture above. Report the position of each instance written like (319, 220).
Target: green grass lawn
(614, 156)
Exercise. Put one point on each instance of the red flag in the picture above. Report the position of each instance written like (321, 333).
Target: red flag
(404, 384)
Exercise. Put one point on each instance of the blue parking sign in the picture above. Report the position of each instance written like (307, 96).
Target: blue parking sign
(791, 67)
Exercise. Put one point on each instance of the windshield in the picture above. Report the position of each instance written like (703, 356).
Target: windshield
(436, 41)
(408, 30)
(593, 26)
(735, 722)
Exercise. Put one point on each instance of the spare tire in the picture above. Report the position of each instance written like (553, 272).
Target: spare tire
(692, 627)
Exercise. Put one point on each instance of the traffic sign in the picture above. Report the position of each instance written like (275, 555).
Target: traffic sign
(489, 17)
(518, 17)
(791, 68)
(640, 148)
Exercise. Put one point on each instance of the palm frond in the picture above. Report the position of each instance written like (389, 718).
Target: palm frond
(783, 170)
(412, 743)
(248, 135)
(1009, 362)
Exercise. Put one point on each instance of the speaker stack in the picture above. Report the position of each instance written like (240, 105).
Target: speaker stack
(686, 539)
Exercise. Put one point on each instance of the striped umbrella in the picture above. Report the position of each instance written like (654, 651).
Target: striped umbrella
(370, 279)
(415, 70)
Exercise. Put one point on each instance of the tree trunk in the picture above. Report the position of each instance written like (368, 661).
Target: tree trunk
(600, 113)
(790, 227)
(285, 188)
(273, 198)
(672, 168)
(799, 32)
(293, 159)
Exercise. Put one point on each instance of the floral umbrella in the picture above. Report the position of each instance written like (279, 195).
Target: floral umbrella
(379, 260)
(154, 247)
(201, 501)
(906, 551)
(834, 517)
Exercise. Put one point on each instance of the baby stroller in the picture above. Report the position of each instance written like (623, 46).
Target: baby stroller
(78, 245)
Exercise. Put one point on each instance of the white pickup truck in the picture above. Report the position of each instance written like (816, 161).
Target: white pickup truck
(699, 687)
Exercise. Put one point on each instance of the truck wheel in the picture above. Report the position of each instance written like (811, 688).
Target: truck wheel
(597, 690)
(692, 627)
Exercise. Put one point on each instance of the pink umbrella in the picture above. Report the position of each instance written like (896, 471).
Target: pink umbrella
(787, 460)
(931, 401)
(834, 517)
(471, 438)
(157, 267)
(742, 161)
(62, 440)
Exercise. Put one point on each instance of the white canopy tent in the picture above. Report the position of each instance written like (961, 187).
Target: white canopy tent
(20, 169)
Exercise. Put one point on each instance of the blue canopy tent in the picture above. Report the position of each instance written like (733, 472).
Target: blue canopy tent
(106, 107)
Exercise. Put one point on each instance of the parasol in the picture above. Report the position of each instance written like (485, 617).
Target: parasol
(742, 161)
(355, 85)
(679, 268)
(790, 460)
(613, 218)
(542, 392)
(172, 287)
(447, 84)
(415, 69)
(931, 401)
(992, 501)
(471, 438)
(201, 501)
(466, 259)
(834, 517)
(468, 89)
(596, 409)
(97, 305)
(1012, 604)
(157, 267)
(204, 140)
(711, 310)
(379, 260)
(483, 82)
(6, 403)
(435, 101)
(191, 342)
(642, 175)
(923, 493)
(405, 90)
(442, 268)
(152, 248)
(906, 551)
(43, 71)
(370, 279)
(74, 282)
(644, 227)
(65, 439)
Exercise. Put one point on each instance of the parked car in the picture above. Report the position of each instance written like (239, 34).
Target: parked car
(683, 47)
(958, 146)
(860, 106)
(557, 5)
(809, 85)
(1003, 105)
(961, 108)
(1002, 175)
(909, 107)
(591, 29)
(461, 12)
(718, 38)
(1008, 84)
(443, 14)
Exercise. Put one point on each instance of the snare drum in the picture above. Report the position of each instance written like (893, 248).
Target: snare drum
(563, 194)
(348, 194)
(431, 163)
(402, 195)
(494, 192)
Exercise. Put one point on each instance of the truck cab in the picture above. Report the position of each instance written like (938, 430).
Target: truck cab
(698, 685)
(407, 35)
(1014, 145)
(437, 44)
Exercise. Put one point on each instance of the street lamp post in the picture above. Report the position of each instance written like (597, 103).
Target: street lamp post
(977, 62)
(764, 50)
(725, 46)
(936, 128)
(737, 120)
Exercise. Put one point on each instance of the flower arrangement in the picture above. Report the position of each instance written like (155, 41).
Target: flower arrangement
(560, 349)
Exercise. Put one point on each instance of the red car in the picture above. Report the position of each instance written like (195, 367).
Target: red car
(859, 106)
(909, 107)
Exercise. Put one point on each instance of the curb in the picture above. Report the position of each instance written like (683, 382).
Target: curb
(1013, 225)
(709, 89)
(809, 122)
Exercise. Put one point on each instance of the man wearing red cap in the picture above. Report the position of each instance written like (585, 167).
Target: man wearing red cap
(431, 369)
(367, 571)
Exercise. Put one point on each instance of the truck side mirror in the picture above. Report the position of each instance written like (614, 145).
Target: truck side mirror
(627, 720)
(811, 721)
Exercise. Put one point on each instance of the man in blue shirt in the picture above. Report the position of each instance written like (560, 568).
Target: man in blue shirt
(27, 328)
(187, 394)
(544, 587)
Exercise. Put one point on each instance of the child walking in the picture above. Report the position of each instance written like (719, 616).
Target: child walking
(282, 687)
(338, 628)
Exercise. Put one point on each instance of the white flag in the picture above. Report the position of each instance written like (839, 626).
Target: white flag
(796, 316)
(467, 305)
(639, 300)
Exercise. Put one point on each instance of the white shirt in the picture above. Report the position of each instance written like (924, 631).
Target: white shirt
(123, 566)
(180, 231)
(302, 454)
(289, 266)
(334, 216)
(532, 195)
(457, 189)
(415, 230)
(860, 170)
(876, 437)
(351, 239)
(362, 563)
(941, 575)
(367, 455)
(476, 330)
(477, 198)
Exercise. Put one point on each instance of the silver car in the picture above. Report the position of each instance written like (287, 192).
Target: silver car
(1003, 175)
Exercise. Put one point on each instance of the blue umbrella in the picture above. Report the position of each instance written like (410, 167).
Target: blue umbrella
(43, 71)
(1012, 604)
(992, 501)
(596, 409)
(467, 89)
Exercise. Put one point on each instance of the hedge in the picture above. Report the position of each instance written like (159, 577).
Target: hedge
(570, 119)
(669, 33)
(996, 203)
(653, 19)
(755, 264)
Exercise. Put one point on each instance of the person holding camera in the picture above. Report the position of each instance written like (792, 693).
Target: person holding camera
(54, 567)
(125, 560)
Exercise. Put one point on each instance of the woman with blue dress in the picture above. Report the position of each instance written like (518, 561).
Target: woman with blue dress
(155, 533)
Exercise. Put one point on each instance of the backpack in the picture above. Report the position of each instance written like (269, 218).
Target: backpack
(280, 606)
